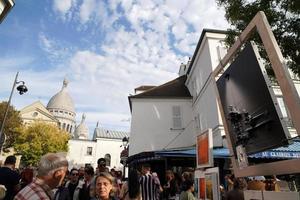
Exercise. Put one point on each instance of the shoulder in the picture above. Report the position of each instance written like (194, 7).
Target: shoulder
(32, 191)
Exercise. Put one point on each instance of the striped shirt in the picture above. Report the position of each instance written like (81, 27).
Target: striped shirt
(37, 190)
(148, 186)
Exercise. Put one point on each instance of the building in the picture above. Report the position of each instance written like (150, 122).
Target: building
(60, 111)
(193, 113)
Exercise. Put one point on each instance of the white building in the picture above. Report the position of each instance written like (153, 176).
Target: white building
(154, 110)
(60, 111)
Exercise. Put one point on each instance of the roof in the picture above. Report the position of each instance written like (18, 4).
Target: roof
(39, 107)
(199, 44)
(109, 134)
(171, 89)
(145, 87)
(62, 100)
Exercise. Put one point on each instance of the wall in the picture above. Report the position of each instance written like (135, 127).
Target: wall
(78, 157)
(200, 84)
(154, 132)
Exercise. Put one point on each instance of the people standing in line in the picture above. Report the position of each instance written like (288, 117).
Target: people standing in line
(74, 185)
(104, 189)
(170, 187)
(87, 190)
(147, 182)
(131, 189)
(10, 178)
(52, 169)
(188, 189)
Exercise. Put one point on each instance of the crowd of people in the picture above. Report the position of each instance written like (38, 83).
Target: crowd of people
(52, 180)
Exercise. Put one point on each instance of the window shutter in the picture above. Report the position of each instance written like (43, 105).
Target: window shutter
(177, 123)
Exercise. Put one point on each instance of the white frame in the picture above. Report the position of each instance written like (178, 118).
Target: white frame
(210, 163)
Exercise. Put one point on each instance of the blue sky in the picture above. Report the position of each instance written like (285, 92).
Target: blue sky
(105, 48)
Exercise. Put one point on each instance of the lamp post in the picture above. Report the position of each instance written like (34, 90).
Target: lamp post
(124, 153)
(22, 89)
(5, 7)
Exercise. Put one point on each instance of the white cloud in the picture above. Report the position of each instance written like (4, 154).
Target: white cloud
(63, 6)
(87, 8)
(139, 54)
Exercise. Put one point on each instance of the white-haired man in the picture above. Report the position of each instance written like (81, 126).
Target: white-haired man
(51, 172)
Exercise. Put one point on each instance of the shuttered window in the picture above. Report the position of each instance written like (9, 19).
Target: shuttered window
(177, 119)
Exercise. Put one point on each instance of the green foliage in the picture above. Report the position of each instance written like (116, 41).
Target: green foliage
(39, 138)
(12, 123)
(283, 16)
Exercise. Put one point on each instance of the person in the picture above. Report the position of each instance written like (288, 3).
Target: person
(104, 188)
(102, 165)
(147, 182)
(229, 181)
(131, 189)
(10, 178)
(26, 176)
(2, 192)
(74, 185)
(81, 173)
(237, 192)
(51, 171)
(184, 177)
(188, 189)
(170, 187)
(87, 189)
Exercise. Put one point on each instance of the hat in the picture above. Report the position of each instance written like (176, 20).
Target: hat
(101, 161)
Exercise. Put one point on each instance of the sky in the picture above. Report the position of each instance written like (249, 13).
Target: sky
(105, 48)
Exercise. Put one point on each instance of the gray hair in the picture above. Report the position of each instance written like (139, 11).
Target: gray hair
(51, 162)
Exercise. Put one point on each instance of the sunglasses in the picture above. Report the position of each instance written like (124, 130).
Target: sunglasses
(75, 174)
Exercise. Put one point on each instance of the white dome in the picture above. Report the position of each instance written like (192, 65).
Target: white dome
(62, 100)
(82, 131)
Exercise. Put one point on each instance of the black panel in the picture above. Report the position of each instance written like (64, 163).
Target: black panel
(251, 115)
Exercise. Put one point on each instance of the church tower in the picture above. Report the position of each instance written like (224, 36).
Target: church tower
(82, 130)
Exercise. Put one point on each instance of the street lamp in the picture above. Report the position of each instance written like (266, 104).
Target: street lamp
(22, 89)
(5, 7)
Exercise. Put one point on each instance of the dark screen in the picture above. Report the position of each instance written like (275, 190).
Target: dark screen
(249, 109)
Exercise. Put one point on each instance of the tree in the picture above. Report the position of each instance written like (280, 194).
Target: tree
(39, 138)
(283, 16)
(12, 123)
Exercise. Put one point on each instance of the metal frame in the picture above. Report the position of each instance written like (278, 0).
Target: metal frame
(260, 24)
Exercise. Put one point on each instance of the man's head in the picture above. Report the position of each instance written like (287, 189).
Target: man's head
(10, 160)
(74, 175)
(146, 168)
(52, 169)
(88, 172)
(101, 164)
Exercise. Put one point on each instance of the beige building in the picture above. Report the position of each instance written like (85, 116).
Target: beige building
(37, 112)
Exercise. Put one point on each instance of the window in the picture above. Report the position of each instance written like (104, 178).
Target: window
(107, 158)
(68, 127)
(35, 114)
(89, 151)
(177, 122)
